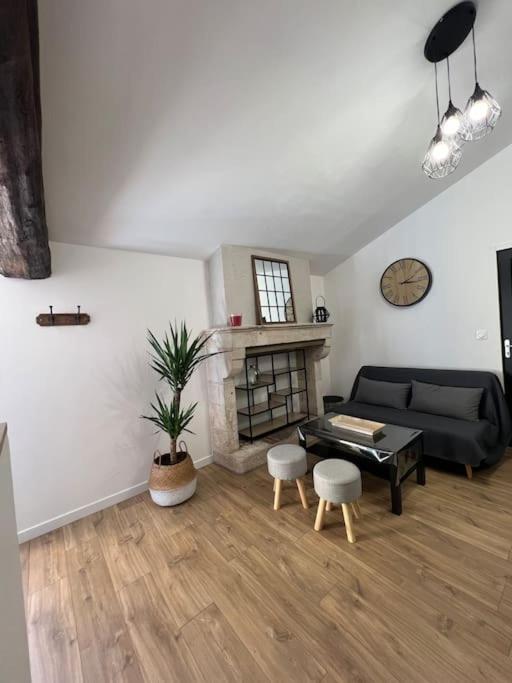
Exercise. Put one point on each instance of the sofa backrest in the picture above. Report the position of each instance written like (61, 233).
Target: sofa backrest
(492, 407)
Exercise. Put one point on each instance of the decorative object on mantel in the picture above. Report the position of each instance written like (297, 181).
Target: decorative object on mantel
(482, 111)
(235, 319)
(321, 314)
(357, 424)
(52, 319)
(272, 291)
(173, 477)
(252, 373)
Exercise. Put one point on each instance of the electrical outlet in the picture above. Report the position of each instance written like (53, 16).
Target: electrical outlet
(481, 335)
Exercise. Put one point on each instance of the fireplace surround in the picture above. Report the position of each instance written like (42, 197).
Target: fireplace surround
(224, 370)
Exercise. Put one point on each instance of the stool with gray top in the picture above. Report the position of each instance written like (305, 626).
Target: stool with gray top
(285, 463)
(337, 482)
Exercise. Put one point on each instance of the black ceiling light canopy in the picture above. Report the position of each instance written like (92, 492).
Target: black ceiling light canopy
(450, 31)
(482, 110)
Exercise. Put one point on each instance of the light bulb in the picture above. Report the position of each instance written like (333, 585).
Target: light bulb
(482, 114)
(451, 126)
(478, 110)
(440, 150)
(443, 155)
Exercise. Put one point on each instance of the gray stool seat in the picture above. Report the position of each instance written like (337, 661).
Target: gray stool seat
(337, 481)
(287, 461)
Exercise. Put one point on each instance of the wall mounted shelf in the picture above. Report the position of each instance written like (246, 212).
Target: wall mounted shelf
(52, 319)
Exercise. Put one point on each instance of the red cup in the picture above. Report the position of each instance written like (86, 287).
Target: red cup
(235, 319)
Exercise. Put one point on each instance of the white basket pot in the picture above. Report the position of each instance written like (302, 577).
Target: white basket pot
(172, 484)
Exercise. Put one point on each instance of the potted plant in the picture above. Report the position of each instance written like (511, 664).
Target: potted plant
(173, 476)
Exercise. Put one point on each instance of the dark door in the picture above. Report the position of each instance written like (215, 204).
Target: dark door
(505, 287)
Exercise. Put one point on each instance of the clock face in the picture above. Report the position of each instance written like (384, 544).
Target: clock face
(405, 282)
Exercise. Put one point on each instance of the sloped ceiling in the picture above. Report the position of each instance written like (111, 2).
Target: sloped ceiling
(175, 126)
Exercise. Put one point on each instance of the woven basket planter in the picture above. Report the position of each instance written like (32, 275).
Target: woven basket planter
(172, 484)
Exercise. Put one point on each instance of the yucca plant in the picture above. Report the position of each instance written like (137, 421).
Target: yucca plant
(175, 359)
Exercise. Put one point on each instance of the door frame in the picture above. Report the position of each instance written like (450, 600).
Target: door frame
(502, 246)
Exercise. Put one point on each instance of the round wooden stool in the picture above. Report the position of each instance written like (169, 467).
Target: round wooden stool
(287, 462)
(337, 482)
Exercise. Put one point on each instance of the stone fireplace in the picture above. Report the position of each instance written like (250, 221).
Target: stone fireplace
(233, 345)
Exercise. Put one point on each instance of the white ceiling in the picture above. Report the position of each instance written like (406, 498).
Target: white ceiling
(173, 126)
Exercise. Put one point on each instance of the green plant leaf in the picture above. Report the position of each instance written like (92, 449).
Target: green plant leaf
(170, 418)
(175, 359)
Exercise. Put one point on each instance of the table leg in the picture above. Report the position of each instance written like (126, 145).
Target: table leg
(420, 472)
(420, 469)
(396, 491)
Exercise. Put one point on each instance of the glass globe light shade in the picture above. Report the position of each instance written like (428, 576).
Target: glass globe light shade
(442, 157)
(481, 114)
(453, 124)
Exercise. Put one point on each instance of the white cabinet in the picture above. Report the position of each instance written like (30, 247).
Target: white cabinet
(14, 659)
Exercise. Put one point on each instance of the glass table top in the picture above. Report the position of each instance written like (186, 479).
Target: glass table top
(391, 440)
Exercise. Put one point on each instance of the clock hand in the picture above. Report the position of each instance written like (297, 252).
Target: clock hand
(408, 282)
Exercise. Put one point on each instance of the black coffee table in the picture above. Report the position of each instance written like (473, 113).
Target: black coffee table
(396, 451)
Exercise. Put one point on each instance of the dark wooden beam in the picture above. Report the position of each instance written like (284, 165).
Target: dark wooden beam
(24, 249)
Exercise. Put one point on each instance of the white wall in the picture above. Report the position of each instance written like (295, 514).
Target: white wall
(457, 235)
(72, 396)
(318, 289)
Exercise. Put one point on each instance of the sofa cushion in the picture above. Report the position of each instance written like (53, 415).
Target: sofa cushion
(443, 437)
(390, 394)
(462, 403)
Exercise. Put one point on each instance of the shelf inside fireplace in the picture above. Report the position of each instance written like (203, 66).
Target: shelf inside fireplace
(269, 426)
(280, 392)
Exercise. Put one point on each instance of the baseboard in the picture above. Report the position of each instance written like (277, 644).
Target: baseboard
(97, 505)
(202, 462)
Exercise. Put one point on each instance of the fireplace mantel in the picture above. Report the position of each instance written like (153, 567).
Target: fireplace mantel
(232, 345)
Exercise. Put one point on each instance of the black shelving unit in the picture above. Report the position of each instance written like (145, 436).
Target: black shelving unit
(280, 392)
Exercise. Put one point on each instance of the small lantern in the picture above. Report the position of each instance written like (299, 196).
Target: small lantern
(321, 314)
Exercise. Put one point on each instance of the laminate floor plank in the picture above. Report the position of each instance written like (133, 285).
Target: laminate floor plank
(126, 561)
(332, 645)
(80, 531)
(106, 650)
(455, 607)
(224, 588)
(161, 658)
(25, 568)
(439, 555)
(217, 650)
(266, 630)
(52, 635)
(47, 561)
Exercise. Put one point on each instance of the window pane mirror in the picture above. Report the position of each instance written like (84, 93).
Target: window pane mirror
(273, 291)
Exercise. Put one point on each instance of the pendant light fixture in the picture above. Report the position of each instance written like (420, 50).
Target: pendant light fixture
(453, 123)
(482, 111)
(444, 152)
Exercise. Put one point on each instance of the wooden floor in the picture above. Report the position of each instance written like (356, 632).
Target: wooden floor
(223, 588)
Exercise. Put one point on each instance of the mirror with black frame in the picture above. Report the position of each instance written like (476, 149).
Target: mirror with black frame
(273, 291)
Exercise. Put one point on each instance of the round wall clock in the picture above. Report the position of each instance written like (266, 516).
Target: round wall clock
(405, 282)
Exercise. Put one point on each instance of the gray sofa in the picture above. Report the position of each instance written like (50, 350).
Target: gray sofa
(471, 443)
